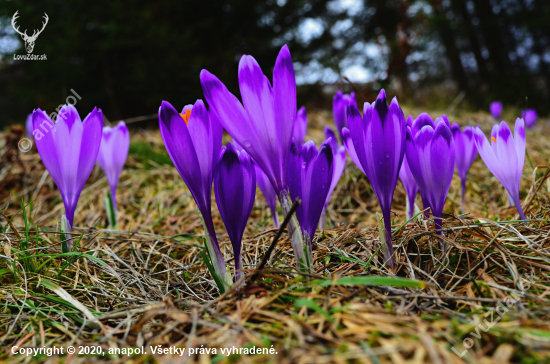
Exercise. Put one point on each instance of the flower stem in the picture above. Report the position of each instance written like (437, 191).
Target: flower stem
(386, 238)
(214, 249)
(323, 219)
(463, 188)
(517, 202)
(294, 232)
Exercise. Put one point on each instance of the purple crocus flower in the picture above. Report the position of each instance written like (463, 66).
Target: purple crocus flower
(409, 183)
(496, 109)
(269, 193)
(68, 148)
(300, 126)
(193, 141)
(379, 146)
(29, 126)
(530, 117)
(264, 126)
(431, 158)
(505, 156)
(339, 164)
(465, 153)
(310, 175)
(340, 103)
(112, 155)
(235, 190)
(266, 187)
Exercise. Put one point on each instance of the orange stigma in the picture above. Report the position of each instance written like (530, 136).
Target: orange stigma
(186, 116)
(493, 139)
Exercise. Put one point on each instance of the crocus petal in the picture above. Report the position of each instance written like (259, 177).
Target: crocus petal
(339, 164)
(348, 143)
(300, 126)
(421, 121)
(284, 93)
(329, 133)
(29, 126)
(340, 104)
(519, 138)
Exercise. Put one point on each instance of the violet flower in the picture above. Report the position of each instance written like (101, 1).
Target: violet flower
(235, 190)
(505, 156)
(300, 126)
(339, 164)
(409, 183)
(68, 148)
(29, 126)
(431, 158)
(264, 126)
(193, 141)
(465, 154)
(379, 146)
(310, 174)
(340, 103)
(530, 117)
(411, 188)
(266, 187)
(112, 155)
(496, 109)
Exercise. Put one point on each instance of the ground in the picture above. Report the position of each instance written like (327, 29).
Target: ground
(145, 285)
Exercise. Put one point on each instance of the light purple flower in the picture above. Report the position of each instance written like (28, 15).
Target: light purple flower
(300, 126)
(530, 117)
(496, 109)
(505, 156)
(378, 140)
(340, 104)
(235, 190)
(29, 127)
(112, 155)
(310, 174)
(409, 183)
(193, 141)
(339, 164)
(465, 153)
(266, 187)
(68, 148)
(264, 126)
(431, 158)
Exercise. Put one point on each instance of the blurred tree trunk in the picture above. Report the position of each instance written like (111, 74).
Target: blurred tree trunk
(451, 51)
(460, 6)
(494, 41)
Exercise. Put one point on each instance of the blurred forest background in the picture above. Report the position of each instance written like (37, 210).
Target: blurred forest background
(127, 56)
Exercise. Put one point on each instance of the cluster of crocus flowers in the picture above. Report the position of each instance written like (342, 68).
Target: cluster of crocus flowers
(376, 143)
(263, 125)
(310, 175)
(115, 143)
(465, 153)
(193, 141)
(68, 148)
(496, 109)
(530, 117)
(431, 159)
(235, 190)
(505, 156)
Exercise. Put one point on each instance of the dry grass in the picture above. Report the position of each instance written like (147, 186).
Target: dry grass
(146, 285)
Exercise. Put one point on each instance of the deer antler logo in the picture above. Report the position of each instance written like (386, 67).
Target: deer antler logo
(29, 40)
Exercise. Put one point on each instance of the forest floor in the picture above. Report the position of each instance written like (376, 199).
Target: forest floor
(483, 300)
